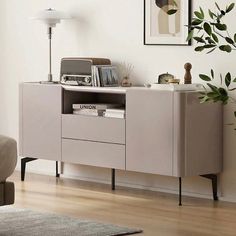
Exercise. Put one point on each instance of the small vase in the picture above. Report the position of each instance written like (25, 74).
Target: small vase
(125, 82)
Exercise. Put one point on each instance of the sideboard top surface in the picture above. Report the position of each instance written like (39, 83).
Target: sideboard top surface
(112, 90)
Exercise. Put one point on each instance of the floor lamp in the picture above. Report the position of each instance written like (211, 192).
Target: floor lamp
(51, 18)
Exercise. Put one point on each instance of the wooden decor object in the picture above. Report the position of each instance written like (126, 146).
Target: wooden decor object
(188, 76)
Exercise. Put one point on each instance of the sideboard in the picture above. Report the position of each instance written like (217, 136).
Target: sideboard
(164, 132)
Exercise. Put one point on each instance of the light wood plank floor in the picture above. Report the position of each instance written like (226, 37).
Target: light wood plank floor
(155, 213)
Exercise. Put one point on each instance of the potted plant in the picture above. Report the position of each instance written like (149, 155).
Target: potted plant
(211, 33)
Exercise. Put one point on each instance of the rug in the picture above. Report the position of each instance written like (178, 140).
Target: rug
(21, 222)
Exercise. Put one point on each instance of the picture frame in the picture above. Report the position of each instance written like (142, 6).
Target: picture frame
(109, 76)
(160, 28)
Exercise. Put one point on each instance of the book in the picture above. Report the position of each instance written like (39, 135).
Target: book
(88, 112)
(115, 113)
(95, 106)
(104, 76)
(109, 115)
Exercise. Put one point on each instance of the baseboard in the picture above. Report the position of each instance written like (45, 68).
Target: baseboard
(139, 186)
(227, 199)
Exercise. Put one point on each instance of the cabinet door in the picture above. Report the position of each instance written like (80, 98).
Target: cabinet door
(40, 121)
(149, 131)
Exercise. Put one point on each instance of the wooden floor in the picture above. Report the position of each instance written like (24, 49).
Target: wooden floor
(157, 214)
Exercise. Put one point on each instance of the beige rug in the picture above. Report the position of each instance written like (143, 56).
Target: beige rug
(20, 222)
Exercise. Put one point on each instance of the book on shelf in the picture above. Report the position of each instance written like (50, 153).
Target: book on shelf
(115, 113)
(95, 106)
(88, 112)
(104, 76)
(99, 109)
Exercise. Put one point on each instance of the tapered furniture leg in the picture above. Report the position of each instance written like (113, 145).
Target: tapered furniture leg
(23, 166)
(180, 191)
(113, 179)
(57, 172)
(214, 180)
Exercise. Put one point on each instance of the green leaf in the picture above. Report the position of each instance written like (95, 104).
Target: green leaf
(223, 92)
(211, 14)
(190, 35)
(207, 28)
(228, 79)
(235, 38)
(230, 8)
(235, 114)
(229, 40)
(172, 11)
(196, 22)
(199, 40)
(210, 40)
(212, 95)
(212, 50)
(217, 6)
(221, 79)
(202, 12)
(204, 77)
(199, 15)
(198, 27)
(213, 88)
(204, 99)
(225, 48)
(212, 74)
(234, 80)
(199, 49)
(175, 4)
(221, 27)
(209, 46)
(215, 38)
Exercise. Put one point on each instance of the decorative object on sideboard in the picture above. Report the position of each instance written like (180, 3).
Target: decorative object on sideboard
(164, 78)
(126, 70)
(174, 81)
(80, 71)
(51, 18)
(164, 22)
(188, 77)
(107, 76)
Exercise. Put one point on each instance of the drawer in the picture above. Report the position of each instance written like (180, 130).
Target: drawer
(93, 153)
(89, 128)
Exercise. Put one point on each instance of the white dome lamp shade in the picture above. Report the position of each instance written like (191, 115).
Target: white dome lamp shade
(50, 17)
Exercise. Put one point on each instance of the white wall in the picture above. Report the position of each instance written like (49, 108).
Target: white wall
(102, 28)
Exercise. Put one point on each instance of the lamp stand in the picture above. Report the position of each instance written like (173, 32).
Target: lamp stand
(50, 54)
(50, 81)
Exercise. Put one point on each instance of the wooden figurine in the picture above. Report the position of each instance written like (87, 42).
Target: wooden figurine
(188, 76)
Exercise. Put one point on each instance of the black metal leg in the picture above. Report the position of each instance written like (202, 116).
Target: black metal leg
(213, 178)
(57, 172)
(113, 179)
(180, 191)
(23, 166)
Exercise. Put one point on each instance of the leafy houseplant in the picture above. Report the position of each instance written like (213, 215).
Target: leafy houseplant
(211, 33)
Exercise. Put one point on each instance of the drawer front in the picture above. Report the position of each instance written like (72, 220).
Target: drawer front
(98, 129)
(93, 153)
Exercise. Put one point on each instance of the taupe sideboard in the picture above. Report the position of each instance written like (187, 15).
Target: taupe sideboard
(164, 132)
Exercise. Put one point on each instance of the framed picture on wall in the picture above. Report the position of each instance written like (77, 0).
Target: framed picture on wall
(165, 22)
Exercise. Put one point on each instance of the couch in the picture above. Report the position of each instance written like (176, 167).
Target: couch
(8, 159)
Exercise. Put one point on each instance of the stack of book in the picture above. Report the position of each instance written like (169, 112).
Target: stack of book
(96, 109)
(115, 113)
